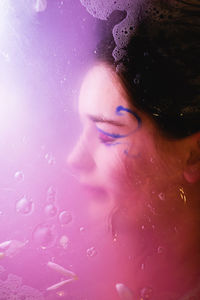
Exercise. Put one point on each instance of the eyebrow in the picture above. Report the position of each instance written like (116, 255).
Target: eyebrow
(102, 119)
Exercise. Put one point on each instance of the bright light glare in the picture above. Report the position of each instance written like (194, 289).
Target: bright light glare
(5, 9)
(11, 110)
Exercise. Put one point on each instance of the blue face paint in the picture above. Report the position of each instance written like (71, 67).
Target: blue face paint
(121, 108)
(114, 136)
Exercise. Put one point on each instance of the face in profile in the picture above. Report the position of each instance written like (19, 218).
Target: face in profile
(121, 157)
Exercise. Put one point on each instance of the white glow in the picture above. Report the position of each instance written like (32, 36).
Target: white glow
(5, 9)
(11, 109)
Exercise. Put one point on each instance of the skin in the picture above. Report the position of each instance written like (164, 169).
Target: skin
(143, 185)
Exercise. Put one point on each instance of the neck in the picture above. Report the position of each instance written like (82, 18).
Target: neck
(163, 249)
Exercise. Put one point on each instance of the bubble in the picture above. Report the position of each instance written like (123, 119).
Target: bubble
(146, 293)
(161, 196)
(124, 292)
(51, 194)
(91, 252)
(64, 241)
(160, 250)
(12, 288)
(45, 235)
(40, 5)
(19, 176)
(60, 293)
(50, 158)
(65, 217)
(82, 229)
(50, 210)
(24, 206)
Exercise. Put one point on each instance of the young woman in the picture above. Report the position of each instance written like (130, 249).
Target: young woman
(139, 152)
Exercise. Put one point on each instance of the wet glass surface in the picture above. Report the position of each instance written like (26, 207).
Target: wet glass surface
(43, 50)
(119, 233)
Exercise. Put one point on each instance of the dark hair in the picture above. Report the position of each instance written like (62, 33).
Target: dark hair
(160, 67)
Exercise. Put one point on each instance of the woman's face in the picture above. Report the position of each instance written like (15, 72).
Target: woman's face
(120, 157)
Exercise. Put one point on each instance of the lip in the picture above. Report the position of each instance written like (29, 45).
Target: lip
(96, 191)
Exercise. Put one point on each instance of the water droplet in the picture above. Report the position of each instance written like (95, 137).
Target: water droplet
(146, 293)
(64, 241)
(161, 196)
(91, 252)
(40, 5)
(61, 293)
(160, 250)
(44, 235)
(24, 206)
(136, 81)
(124, 292)
(50, 158)
(19, 176)
(50, 210)
(65, 217)
(51, 194)
(82, 229)
(142, 267)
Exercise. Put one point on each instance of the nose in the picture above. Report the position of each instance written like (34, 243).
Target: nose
(81, 158)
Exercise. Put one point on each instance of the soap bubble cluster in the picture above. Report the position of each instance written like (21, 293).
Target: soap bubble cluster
(12, 288)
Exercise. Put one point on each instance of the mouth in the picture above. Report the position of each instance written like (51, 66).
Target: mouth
(97, 192)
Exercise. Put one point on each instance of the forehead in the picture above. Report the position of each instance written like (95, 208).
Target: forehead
(101, 92)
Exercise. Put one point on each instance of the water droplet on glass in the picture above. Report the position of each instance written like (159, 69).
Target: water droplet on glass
(124, 292)
(146, 293)
(24, 206)
(50, 158)
(64, 241)
(142, 267)
(160, 250)
(44, 235)
(19, 176)
(136, 81)
(161, 196)
(91, 252)
(82, 229)
(65, 217)
(40, 5)
(50, 210)
(61, 293)
(51, 195)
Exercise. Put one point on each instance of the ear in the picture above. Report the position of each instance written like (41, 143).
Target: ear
(192, 167)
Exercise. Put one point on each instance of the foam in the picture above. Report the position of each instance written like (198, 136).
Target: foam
(166, 13)
(12, 288)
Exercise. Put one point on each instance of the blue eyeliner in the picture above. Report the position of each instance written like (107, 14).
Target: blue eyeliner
(121, 108)
(114, 136)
